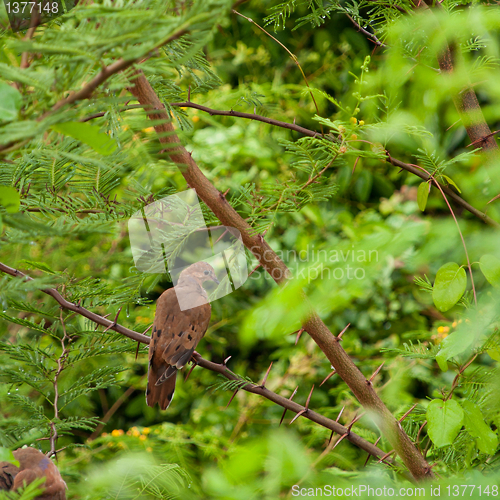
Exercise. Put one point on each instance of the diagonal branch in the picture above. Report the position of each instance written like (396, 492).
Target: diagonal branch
(319, 332)
(218, 368)
(294, 407)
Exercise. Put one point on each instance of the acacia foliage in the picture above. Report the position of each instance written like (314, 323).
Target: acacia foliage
(70, 188)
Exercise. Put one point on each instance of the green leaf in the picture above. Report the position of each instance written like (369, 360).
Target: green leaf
(10, 199)
(10, 102)
(444, 421)
(494, 354)
(452, 182)
(487, 440)
(7, 456)
(490, 267)
(449, 286)
(423, 194)
(88, 134)
(453, 345)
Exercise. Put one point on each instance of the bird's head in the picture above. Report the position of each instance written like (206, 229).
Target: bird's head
(201, 271)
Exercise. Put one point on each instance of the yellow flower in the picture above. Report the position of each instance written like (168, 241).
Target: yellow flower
(361, 123)
(342, 129)
(142, 437)
(454, 324)
(149, 130)
(117, 432)
(354, 137)
(443, 329)
(196, 119)
(136, 433)
(146, 430)
(104, 434)
(353, 120)
(149, 449)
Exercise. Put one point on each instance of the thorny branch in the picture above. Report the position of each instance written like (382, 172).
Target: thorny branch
(271, 262)
(218, 368)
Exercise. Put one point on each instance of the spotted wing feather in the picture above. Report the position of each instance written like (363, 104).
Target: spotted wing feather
(174, 338)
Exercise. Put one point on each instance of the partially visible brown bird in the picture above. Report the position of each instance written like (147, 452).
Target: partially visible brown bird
(176, 332)
(33, 464)
(8, 472)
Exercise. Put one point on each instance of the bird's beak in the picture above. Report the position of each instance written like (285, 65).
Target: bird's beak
(214, 278)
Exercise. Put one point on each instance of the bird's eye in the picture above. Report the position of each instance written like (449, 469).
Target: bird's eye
(206, 273)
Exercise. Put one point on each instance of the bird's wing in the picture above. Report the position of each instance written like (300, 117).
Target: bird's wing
(174, 338)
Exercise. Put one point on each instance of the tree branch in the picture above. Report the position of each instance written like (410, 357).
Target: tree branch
(311, 133)
(131, 334)
(218, 368)
(249, 116)
(345, 367)
(326, 422)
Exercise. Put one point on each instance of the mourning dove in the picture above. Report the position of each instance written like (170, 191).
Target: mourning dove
(176, 332)
(33, 464)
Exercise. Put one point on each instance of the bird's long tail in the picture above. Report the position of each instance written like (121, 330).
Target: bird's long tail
(161, 394)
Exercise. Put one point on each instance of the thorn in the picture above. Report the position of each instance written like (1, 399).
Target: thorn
(340, 440)
(369, 454)
(147, 329)
(385, 456)
(195, 364)
(331, 436)
(355, 164)
(225, 193)
(255, 269)
(375, 373)
(108, 328)
(306, 408)
(137, 350)
(79, 302)
(299, 333)
(224, 363)
(340, 414)
(309, 397)
(232, 397)
(331, 374)
(354, 421)
(408, 412)
(289, 399)
(297, 416)
(339, 336)
(97, 325)
(263, 385)
(114, 322)
(221, 236)
(493, 199)
(189, 93)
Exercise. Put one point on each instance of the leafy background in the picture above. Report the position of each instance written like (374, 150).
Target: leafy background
(71, 232)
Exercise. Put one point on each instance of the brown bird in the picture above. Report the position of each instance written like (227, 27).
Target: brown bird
(176, 332)
(8, 472)
(33, 464)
